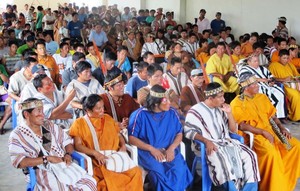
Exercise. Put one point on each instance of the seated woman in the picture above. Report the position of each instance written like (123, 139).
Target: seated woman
(25, 151)
(266, 83)
(157, 132)
(84, 85)
(109, 138)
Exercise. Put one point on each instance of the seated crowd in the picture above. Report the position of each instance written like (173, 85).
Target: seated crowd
(96, 81)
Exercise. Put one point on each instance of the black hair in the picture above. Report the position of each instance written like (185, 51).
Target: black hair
(40, 41)
(78, 45)
(89, 44)
(151, 101)
(37, 80)
(74, 13)
(205, 31)
(140, 67)
(201, 41)
(81, 66)
(12, 42)
(192, 34)
(89, 102)
(280, 40)
(9, 31)
(210, 46)
(65, 39)
(28, 53)
(151, 69)
(61, 45)
(28, 110)
(120, 48)
(228, 28)
(40, 8)
(77, 56)
(283, 52)
(175, 60)
(221, 44)
(234, 44)
(110, 56)
(257, 45)
(146, 54)
(28, 61)
(212, 86)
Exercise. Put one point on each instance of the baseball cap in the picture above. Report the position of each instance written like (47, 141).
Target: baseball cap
(37, 68)
(196, 72)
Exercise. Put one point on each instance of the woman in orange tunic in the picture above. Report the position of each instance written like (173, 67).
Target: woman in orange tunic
(109, 138)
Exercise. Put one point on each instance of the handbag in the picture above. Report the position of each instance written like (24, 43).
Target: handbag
(3, 90)
(116, 161)
(67, 174)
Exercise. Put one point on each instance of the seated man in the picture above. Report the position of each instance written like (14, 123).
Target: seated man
(116, 103)
(175, 77)
(220, 67)
(210, 122)
(123, 62)
(70, 74)
(277, 151)
(192, 93)
(25, 151)
(109, 63)
(53, 101)
(138, 81)
(286, 73)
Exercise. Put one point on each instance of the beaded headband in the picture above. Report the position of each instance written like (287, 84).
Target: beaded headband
(293, 46)
(30, 105)
(248, 82)
(213, 92)
(114, 81)
(158, 95)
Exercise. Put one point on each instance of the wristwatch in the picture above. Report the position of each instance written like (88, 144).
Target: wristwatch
(45, 160)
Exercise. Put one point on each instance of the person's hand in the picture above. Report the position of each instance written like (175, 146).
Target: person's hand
(157, 154)
(226, 108)
(170, 154)
(67, 159)
(268, 136)
(221, 76)
(99, 157)
(288, 79)
(124, 123)
(72, 94)
(286, 133)
(54, 159)
(210, 147)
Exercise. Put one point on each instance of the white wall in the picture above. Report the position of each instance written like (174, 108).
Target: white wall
(125, 3)
(248, 16)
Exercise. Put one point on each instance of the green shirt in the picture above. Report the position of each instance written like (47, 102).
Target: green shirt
(3, 71)
(39, 20)
(22, 48)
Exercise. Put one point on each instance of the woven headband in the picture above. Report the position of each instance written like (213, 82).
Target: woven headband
(158, 95)
(30, 105)
(248, 82)
(114, 81)
(213, 92)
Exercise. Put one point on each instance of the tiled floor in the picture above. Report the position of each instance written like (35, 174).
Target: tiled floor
(13, 179)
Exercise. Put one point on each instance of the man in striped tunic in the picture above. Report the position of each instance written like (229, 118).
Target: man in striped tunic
(231, 164)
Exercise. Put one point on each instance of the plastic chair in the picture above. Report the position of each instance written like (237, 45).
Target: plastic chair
(206, 181)
(14, 114)
(31, 185)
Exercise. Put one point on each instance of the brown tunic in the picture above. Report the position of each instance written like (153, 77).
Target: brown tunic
(188, 99)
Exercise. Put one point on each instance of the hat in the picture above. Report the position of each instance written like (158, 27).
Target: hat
(246, 79)
(117, 23)
(26, 105)
(37, 68)
(282, 19)
(196, 72)
(30, 38)
(170, 27)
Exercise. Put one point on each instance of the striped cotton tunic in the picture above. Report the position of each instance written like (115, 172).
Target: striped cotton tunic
(212, 124)
(22, 145)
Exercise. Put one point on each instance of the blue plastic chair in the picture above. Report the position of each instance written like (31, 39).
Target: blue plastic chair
(14, 114)
(76, 156)
(206, 181)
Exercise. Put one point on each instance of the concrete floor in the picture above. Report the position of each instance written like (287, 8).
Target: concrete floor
(13, 179)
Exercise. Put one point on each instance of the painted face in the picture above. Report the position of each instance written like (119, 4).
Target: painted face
(165, 104)
(98, 110)
(36, 117)
(48, 85)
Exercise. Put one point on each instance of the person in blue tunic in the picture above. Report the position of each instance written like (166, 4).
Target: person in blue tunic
(157, 132)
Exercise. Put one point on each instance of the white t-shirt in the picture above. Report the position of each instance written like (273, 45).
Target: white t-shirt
(62, 62)
(48, 18)
(64, 32)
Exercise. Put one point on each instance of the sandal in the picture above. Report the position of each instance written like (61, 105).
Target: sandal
(2, 131)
